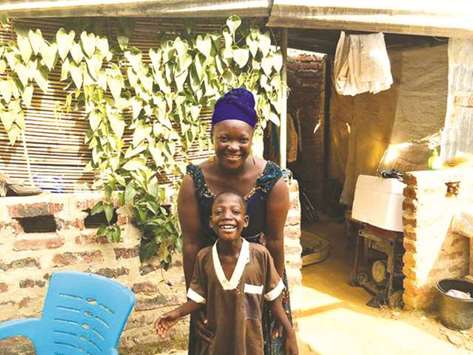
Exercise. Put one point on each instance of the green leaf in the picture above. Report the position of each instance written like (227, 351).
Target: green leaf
(148, 250)
(108, 209)
(135, 60)
(7, 119)
(36, 40)
(141, 133)
(157, 155)
(94, 65)
(65, 69)
(180, 79)
(204, 45)
(130, 194)
(252, 45)
(41, 78)
(76, 75)
(102, 45)
(130, 153)
(137, 163)
(156, 57)
(136, 106)
(233, 22)
(98, 208)
(153, 189)
(13, 134)
(5, 90)
(180, 46)
(122, 42)
(115, 86)
(228, 38)
(94, 120)
(76, 53)
(23, 43)
(49, 54)
(277, 62)
(117, 124)
(88, 43)
(267, 65)
(241, 56)
(22, 71)
(265, 43)
(3, 66)
(12, 59)
(64, 42)
(28, 95)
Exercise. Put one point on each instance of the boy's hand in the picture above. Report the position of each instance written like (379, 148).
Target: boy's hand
(165, 322)
(291, 344)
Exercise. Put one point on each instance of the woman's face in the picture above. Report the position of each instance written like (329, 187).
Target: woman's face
(232, 143)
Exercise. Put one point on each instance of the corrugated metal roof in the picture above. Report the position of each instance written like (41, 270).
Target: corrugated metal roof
(449, 18)
(132, 8)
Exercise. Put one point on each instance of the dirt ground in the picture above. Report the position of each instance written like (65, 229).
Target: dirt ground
(335, 319)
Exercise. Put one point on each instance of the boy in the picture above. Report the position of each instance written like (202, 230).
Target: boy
(232, 279)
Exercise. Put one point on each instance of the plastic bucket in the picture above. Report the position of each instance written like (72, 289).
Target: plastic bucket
(455, 313)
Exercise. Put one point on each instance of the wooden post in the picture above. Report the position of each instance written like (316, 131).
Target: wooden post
(283, 127)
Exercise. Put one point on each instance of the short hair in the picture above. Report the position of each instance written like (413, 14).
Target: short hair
(240, 197)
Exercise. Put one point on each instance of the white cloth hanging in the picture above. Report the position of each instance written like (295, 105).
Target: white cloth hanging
(361, 64)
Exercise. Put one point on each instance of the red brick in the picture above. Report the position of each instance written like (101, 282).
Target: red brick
(29, 283)
(34, 209)
(3, 287)
(112, 272)
(64, 259)
(145, 287)
(20, 263)
(38, 244)
(69, 258)
(91, 239)
(91, 257)
(24, 302)
(410, 192)
(126, 253)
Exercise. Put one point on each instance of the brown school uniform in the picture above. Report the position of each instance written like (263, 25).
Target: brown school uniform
(234, 307)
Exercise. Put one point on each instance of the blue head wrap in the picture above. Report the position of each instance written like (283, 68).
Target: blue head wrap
(237, 104)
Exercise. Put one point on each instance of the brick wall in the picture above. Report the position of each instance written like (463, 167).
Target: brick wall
(28, 259)
(434, 250)
(306, 80)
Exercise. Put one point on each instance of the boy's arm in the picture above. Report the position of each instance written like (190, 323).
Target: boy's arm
(278, 312)
(167, 320)
(185, 309)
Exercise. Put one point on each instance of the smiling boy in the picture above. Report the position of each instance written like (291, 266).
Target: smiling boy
(232, 279)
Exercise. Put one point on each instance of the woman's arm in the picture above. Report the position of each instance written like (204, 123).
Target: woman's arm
(276, 213)
(290, 336)
(189, 220)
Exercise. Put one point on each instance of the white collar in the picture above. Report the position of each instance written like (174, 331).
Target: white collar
(243, 259)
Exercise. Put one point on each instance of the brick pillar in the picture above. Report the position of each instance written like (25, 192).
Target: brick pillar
(433, 250)
(292, 245)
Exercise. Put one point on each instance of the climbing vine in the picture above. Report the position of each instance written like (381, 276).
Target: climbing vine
(141, 107)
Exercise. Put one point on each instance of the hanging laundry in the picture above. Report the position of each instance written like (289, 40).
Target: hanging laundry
(361, 64)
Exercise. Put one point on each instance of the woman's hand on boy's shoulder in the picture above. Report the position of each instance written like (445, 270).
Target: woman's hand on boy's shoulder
(291, 343)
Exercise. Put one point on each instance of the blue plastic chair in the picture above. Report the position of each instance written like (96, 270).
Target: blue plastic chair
(83, 314)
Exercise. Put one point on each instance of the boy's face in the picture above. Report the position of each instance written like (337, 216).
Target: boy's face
(228, 217)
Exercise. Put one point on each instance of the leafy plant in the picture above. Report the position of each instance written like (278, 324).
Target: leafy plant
(154, 98)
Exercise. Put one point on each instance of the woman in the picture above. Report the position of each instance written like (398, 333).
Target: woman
(234, 168)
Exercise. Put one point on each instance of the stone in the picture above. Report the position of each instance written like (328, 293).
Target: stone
(38, 244)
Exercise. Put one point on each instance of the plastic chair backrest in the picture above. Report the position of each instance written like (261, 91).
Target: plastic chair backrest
(83, 314)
